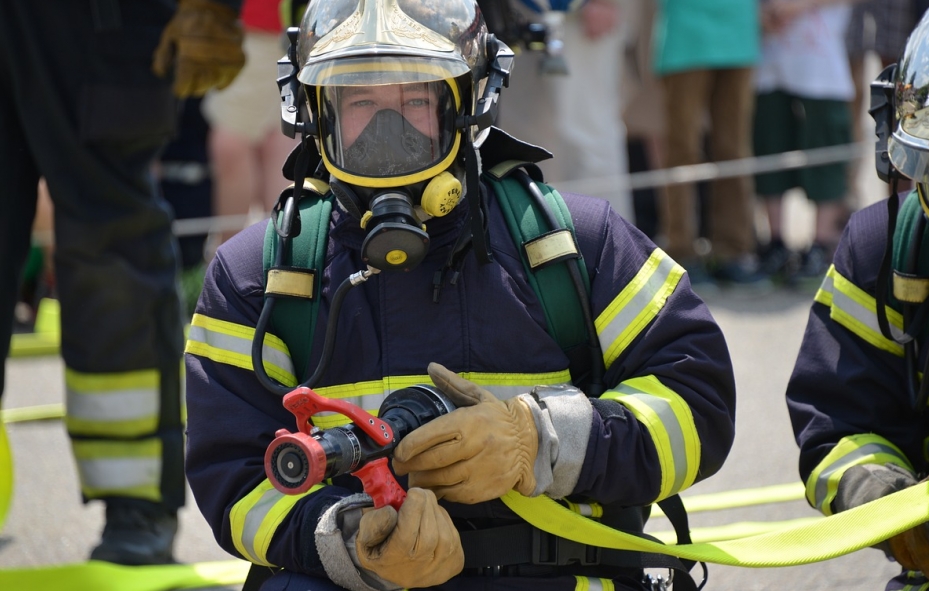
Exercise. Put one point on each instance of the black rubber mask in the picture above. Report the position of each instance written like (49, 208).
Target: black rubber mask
(389, 146)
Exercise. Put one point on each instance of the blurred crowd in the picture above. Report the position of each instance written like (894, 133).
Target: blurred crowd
(611, 88)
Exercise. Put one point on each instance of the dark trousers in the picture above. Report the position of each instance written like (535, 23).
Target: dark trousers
(80, 106)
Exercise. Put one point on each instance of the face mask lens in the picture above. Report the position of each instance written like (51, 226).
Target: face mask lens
(387, 131)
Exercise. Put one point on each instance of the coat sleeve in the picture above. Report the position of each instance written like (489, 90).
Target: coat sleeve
(666, 418)
(231, 420)
(848, 397)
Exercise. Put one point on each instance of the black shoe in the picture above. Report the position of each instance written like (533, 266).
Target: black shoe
(137, 533)
(813, 265)
(742, 271)
(777, 261)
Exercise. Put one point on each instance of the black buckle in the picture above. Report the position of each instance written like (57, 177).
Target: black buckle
(551, 550)
(488, 571)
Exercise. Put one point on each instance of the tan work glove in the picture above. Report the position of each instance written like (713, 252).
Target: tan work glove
(869, 482)
(911, 548)
(202, 43)
(477, 452)
(417, 547)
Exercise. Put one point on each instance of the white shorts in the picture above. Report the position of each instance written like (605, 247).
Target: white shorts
(251, 105)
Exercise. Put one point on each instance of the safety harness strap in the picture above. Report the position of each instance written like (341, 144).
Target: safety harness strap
(522, 544)
(296, 284)
(910, 285)
(541, 247)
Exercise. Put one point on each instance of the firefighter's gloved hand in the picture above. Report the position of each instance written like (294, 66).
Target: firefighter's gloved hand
(478, 452)
(415, 547)
(202, 44)
(869, 482)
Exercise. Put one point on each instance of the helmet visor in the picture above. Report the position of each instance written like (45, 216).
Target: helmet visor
(388, 134)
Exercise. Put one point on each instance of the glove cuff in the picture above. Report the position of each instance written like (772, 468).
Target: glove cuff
(563, 416)
(335, 542)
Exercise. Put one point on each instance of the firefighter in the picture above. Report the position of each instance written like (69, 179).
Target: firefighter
(81, 106)
(400, 97)
(857, 395)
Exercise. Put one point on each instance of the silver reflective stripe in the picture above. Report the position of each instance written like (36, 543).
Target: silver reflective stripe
(637, 305)
(856, 310)
(839, 467)
(120, 473)
(672, 428)
(241, 346)
(254, 519)
(595, 584)
(114, 405)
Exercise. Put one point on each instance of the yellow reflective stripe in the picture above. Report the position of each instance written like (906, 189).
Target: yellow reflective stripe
(854, 450)
(637, 304)
(6, 475)
(120, 468)
(670, 422)
(122, 404)
(918, 576)
(230, 343)
(369, 395)
(856, 310)
(592, 510)
(592, 584)
(255, 518)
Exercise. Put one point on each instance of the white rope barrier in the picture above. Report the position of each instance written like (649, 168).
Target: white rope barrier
(605, 185)
(718, 170)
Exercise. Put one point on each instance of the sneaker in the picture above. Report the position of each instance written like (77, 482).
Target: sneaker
(813, 265)
(741, 271)
(777, 261)
(137, 533)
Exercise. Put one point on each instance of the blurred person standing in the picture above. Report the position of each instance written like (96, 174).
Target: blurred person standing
(804, 88)
(84, 105)
(578, 115)
(704, 53)
(879, 26)
(246, 146)
(643, 112)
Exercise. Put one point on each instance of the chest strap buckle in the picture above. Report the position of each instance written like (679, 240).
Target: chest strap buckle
(554, 551)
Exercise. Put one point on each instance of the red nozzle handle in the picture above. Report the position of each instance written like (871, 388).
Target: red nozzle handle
(304, 403)
(380, 483)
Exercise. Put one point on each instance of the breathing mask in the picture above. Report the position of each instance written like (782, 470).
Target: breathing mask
(391, 151)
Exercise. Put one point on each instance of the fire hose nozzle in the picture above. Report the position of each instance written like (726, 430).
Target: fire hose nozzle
(295, 462)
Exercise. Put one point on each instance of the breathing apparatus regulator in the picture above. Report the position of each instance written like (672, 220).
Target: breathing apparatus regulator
(900, 108)
(388, 98)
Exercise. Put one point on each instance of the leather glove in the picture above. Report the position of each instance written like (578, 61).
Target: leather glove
(478, 452)
(202, 43)
(865, 483)
(417, 547)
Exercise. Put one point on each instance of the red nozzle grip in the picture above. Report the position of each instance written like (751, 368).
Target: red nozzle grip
(380, 483)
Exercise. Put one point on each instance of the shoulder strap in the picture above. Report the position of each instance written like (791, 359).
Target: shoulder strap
(910, 285)
(295, 279)
(541, 249)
